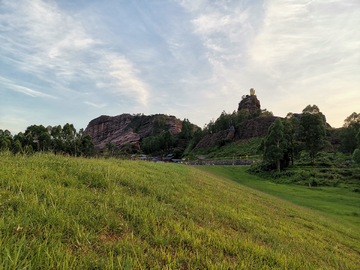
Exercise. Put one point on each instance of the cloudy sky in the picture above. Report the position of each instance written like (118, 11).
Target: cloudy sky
(71, 61)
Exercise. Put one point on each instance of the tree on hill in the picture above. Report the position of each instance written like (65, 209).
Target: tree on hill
(17, 149)
(312, 131)
(187, 130)
(5, 139)
(349, 132)
(274, 145)
(290, 126)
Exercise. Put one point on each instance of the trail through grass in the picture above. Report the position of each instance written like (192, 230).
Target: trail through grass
(340, 204)
(74, 213)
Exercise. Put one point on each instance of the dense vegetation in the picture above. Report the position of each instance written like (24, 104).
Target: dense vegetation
(63, 212)
(61, 140)
(288, 140)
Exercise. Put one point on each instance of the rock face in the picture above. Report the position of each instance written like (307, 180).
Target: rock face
(212, 139)
(253, 128)
(127, 128)
(250, 104)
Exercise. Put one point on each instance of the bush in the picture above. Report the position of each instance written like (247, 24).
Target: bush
(263, 166)
(356, 156)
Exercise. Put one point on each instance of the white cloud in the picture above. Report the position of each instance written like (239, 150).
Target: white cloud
(95, 105)
(310, 49)
(22, 89)
(54, 46)
(13, 124)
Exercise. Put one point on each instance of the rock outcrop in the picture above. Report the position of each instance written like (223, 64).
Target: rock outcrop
(253, 128)
(250, 104)
(126, 128)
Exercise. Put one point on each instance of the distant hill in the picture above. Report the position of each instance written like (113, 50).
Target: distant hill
(130, 129)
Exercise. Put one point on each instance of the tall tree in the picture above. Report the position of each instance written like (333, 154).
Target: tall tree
(275, 144)
(290, 125)
(312, 131)
(349, 132)
(187, 130)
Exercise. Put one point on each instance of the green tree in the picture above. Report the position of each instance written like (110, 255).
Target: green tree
(168, 139)
(356, 156)
(312, 131)
(274, 144)
(17, 149)
(290, 125)
(349, 132)
(5, 143)
(87, 147)
(45, 141)
(187, 130)
(32, 133)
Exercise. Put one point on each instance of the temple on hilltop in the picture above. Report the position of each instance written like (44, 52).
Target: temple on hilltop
(250, 102)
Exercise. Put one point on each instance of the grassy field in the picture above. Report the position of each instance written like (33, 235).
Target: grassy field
(63, 213)
(338, 203)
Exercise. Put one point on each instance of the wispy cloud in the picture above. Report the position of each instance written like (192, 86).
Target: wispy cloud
(55, 47)
(22, 89)
(95, 105)
(311, 50)
(293, 52)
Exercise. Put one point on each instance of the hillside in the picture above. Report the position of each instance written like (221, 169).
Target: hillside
(62, 213)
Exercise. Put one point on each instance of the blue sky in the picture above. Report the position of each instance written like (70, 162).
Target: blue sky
(72, 61)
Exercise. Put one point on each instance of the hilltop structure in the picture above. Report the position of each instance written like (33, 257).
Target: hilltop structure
(249, 103)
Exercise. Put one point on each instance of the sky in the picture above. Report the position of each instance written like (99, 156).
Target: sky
(65, 61)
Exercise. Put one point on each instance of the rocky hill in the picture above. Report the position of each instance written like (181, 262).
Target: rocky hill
(127, 128)
(249, 103)
(253, 128)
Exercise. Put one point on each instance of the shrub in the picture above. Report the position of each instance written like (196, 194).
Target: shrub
(356, 156)
(262, 166)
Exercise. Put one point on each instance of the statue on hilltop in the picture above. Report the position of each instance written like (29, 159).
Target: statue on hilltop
(250, 102)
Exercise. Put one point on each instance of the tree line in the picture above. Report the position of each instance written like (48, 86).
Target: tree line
(287, 138)
(236, 118)
(60, 140)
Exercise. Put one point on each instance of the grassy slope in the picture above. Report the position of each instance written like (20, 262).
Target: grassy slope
(228, 151)
(62, 213)
(337, 203)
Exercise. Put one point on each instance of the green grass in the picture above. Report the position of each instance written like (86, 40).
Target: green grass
(340, 204)
(74, 213)
(229, 150)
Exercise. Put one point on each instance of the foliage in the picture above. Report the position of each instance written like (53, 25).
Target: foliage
(274, 145)
(356, 156)
(290, 126)
(154, 144)
(57, 139)
(312, 131)
(349, 133)
(160, 122)
(187, 130)
(67, 213)
(226, 120)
